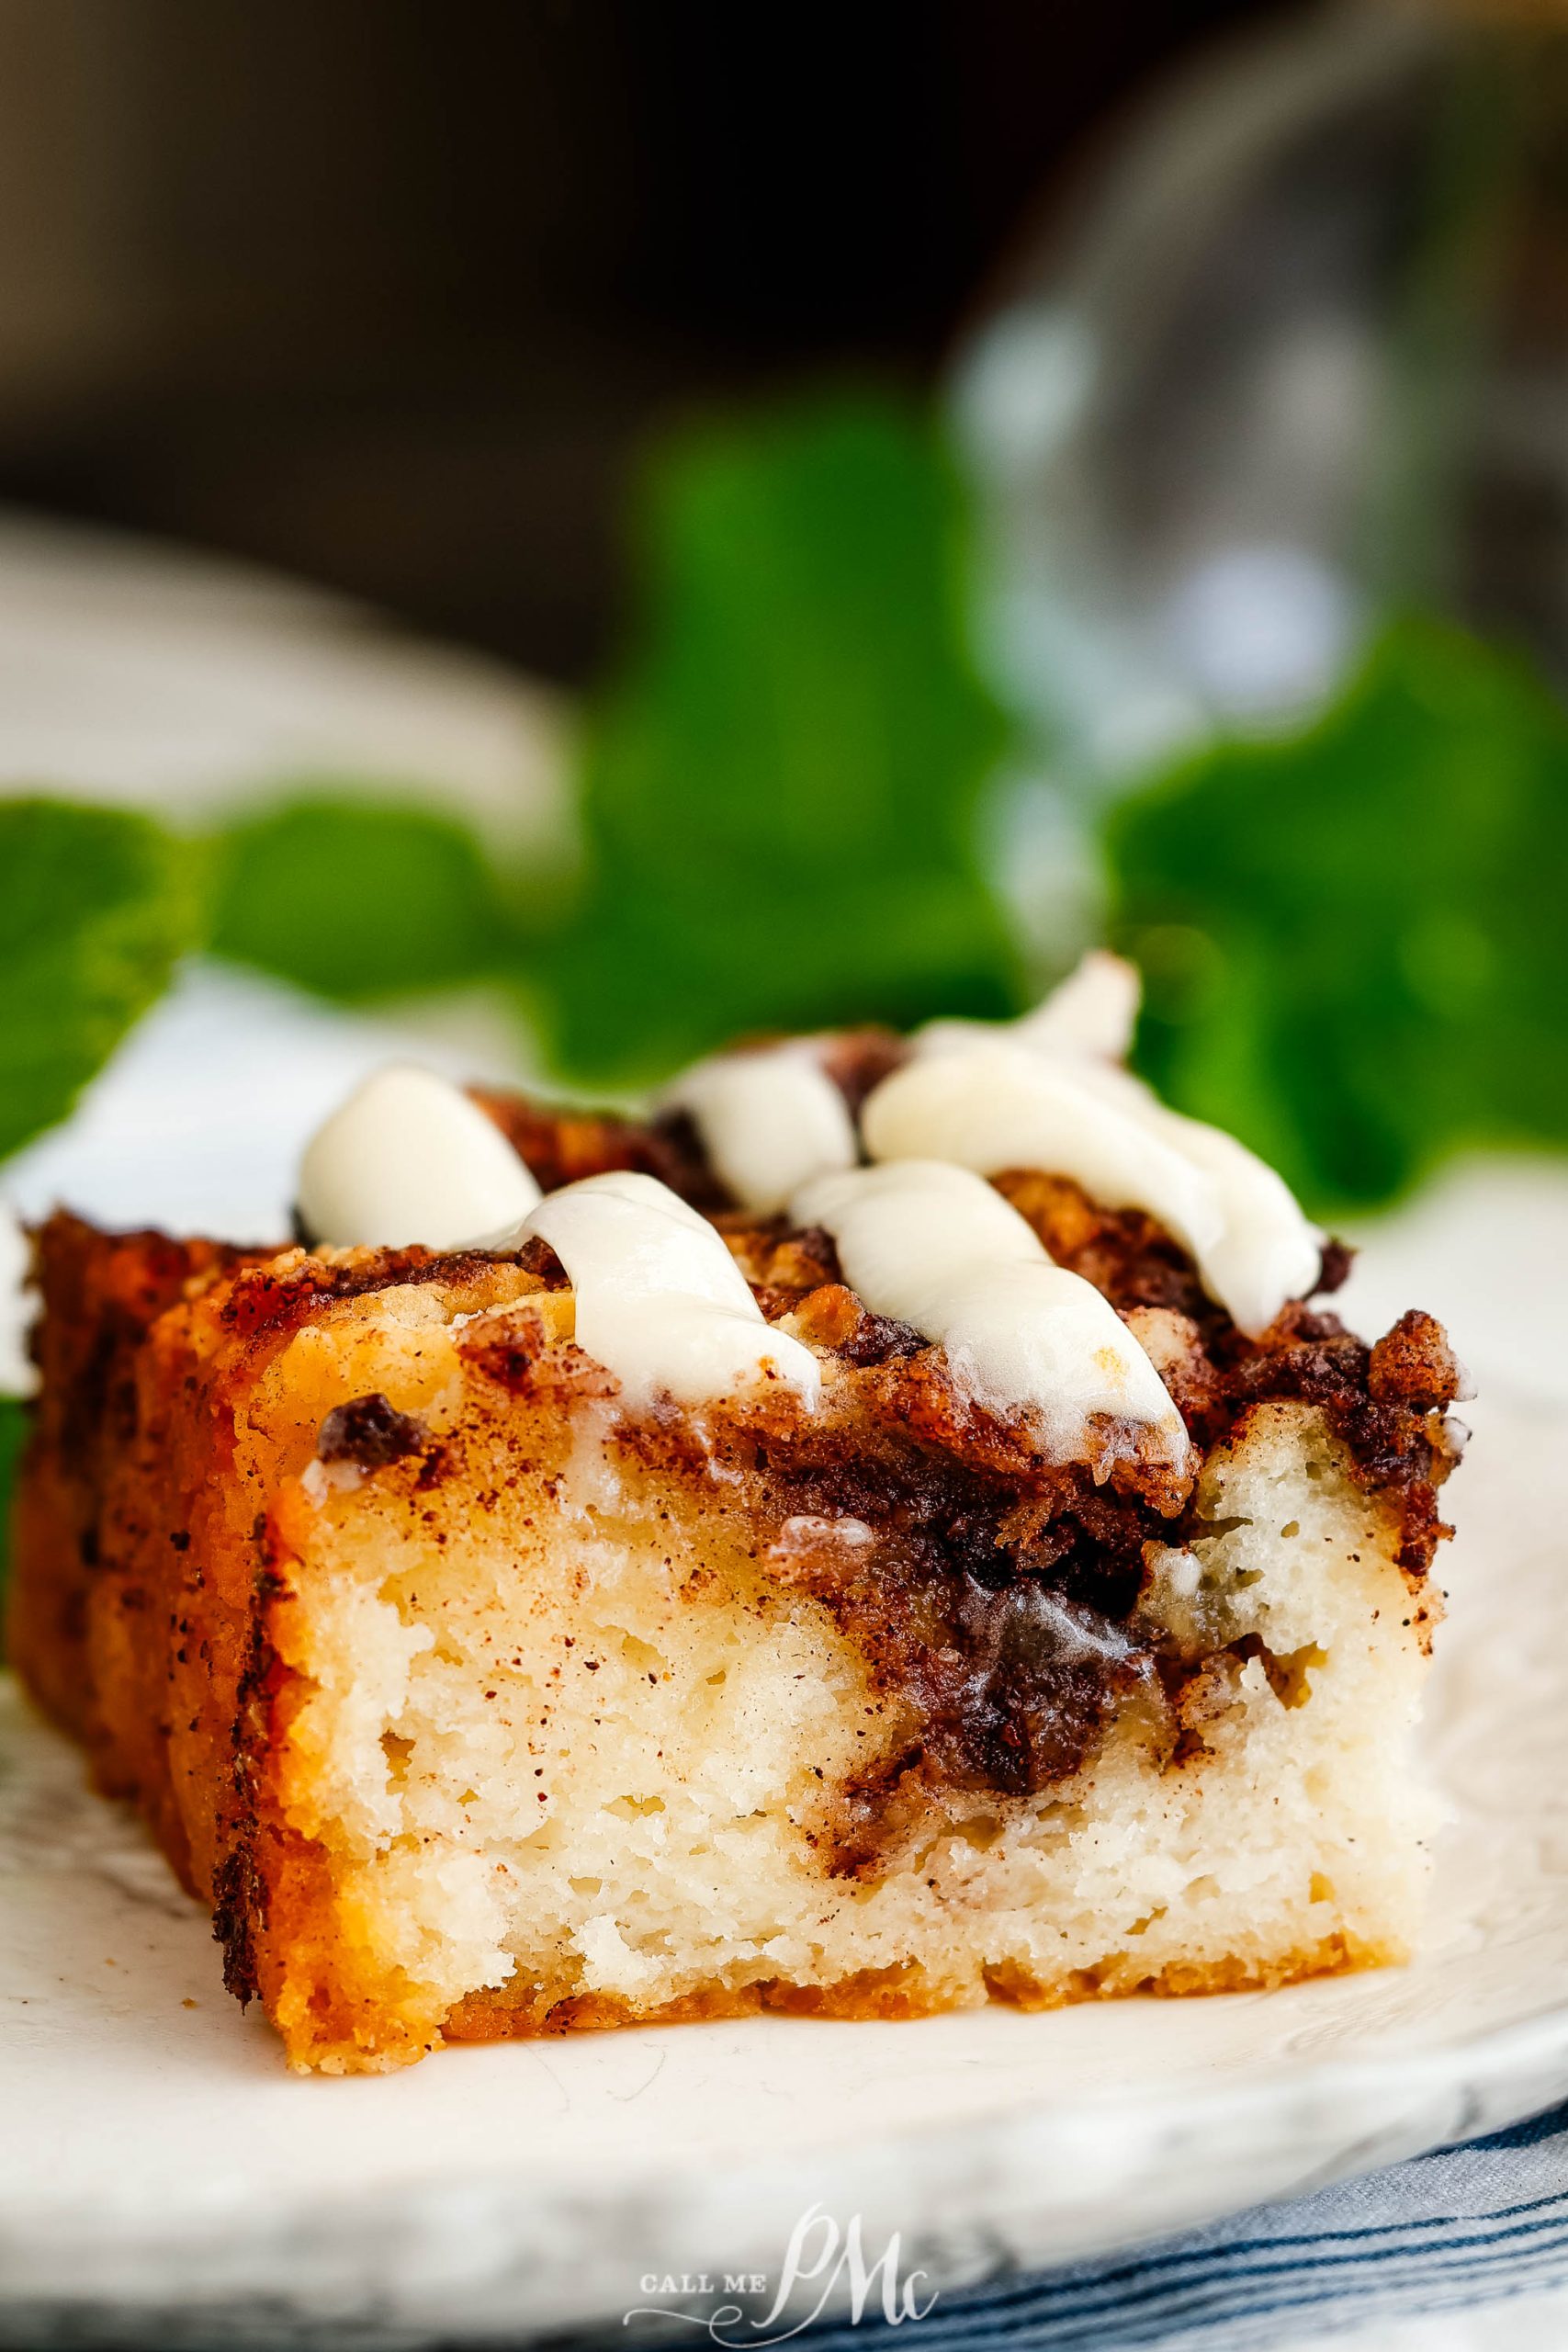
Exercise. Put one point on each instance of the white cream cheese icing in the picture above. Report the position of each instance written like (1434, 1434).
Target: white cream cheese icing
(1040, 1094)
(1270, 1251)
(1000, 1106)
(1093, 1012)
(409, 1159)
(768, 1120)
(936, 1247)
(661, 1302)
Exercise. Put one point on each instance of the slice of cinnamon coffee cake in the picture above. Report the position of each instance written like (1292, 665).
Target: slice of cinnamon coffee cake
(885, 1530)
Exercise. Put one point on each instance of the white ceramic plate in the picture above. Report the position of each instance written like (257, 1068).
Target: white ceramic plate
(163, 2180)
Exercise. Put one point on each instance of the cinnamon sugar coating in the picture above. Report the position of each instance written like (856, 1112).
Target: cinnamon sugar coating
(998, 1603)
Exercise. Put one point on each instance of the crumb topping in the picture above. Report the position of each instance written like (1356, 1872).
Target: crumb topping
(369, 1432)
(995, 1591)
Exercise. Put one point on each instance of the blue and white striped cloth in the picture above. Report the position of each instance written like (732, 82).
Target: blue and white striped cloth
(1473, 2224)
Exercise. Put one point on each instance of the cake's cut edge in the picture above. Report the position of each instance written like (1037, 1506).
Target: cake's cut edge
(827, 1729)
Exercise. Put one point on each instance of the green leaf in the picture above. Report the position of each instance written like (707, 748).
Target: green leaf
(12, 1433)
(781, 789)
(1353, 940)
(96, 906)
(358, 899)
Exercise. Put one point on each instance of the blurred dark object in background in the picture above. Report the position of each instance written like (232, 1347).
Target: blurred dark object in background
(1296, 359)
(387, 292)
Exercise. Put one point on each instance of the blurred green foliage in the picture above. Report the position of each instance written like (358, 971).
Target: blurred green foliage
(1354, 940)
(357, 897)
(13, 1430)
(96, 906)
(780, 786)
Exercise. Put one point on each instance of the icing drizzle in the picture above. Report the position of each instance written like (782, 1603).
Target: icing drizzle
(661, 1302)
(663, 1306)
(409, 1158)
(768, 1120)
(939, 1248)
(1016, 1096)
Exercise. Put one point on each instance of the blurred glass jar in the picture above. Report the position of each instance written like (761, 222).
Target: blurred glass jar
(1296, 355)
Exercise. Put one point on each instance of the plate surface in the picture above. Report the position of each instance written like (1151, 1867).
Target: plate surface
(163, 2179)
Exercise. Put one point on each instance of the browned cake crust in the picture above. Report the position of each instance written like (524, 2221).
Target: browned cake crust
(152, 1551)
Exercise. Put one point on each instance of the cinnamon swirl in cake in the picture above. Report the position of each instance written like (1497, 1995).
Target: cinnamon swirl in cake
(895, 1527)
